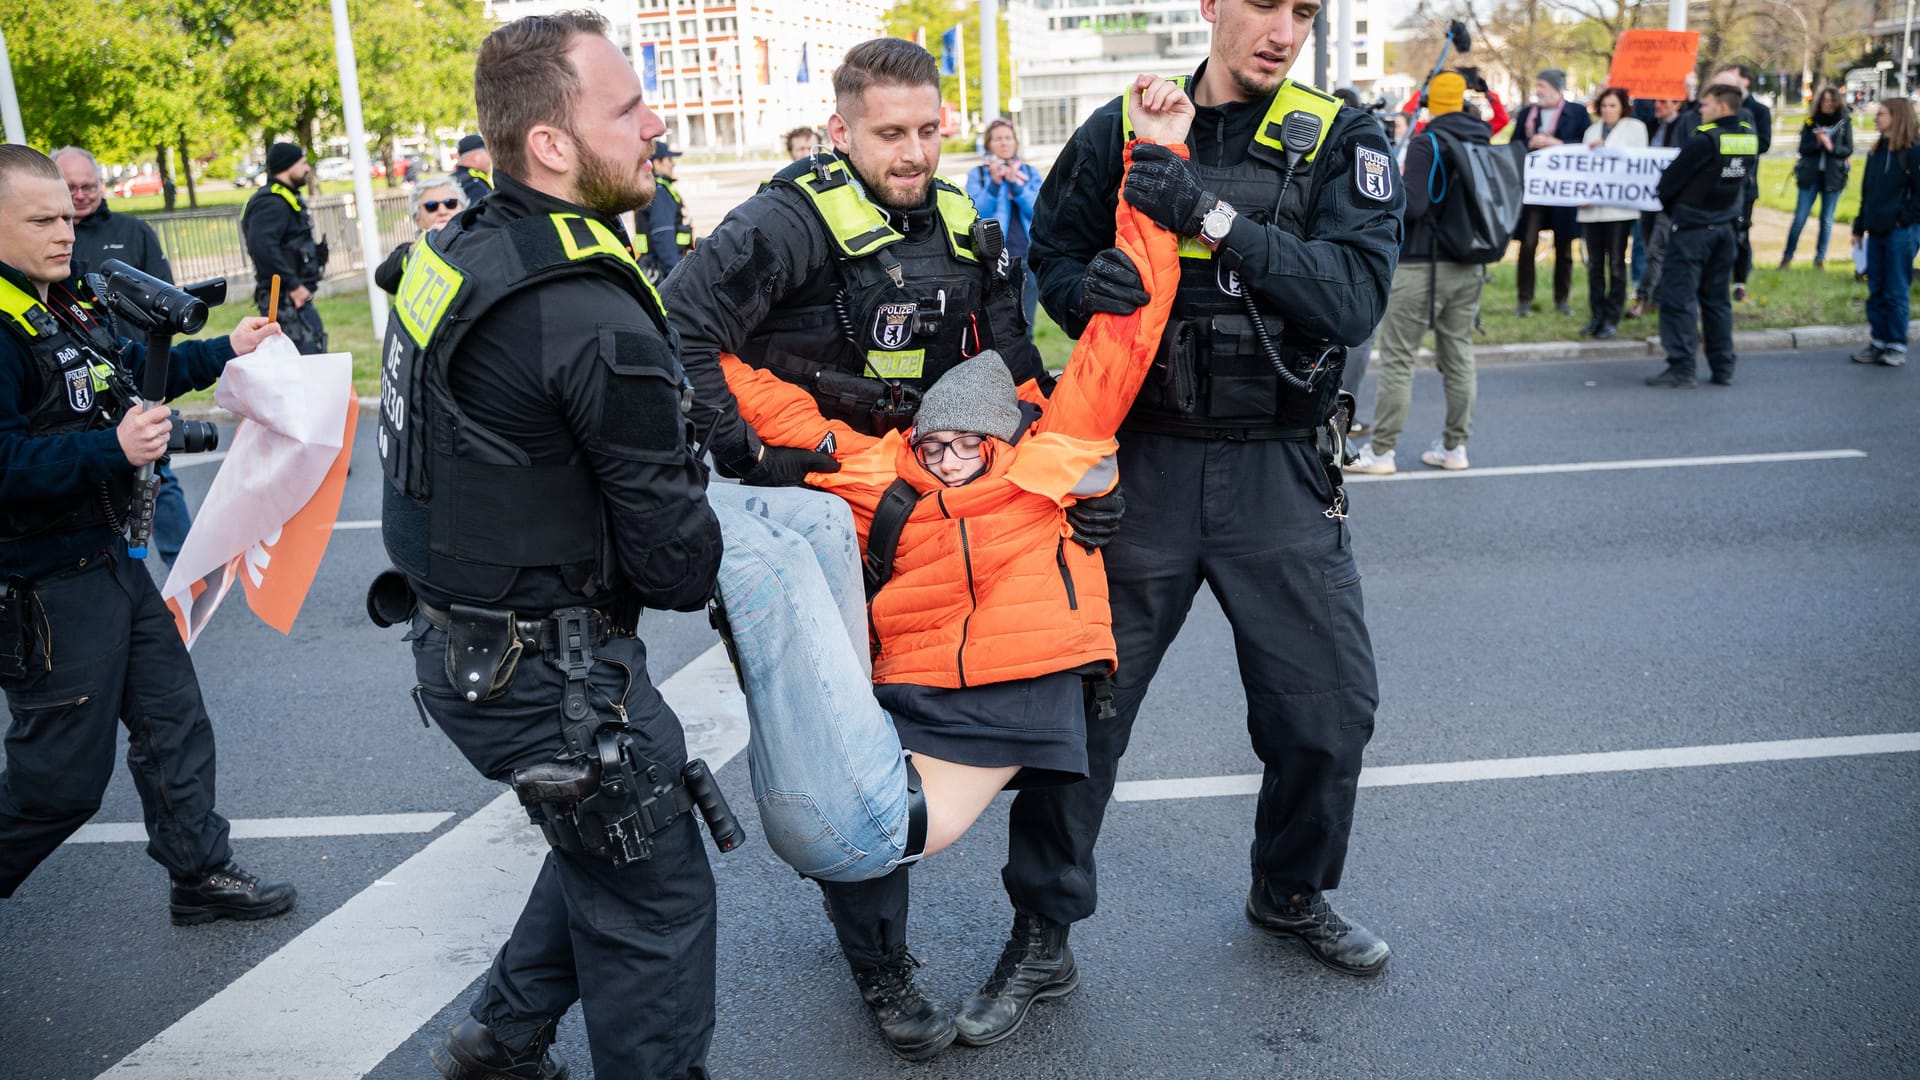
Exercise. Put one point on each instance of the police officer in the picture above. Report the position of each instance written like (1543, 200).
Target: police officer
(100, 234)
(473, 168)
(1703, 190)
(862, 277)
(669, 232)
(278, 229)
(540, 491)
(86, 644)
(1291, 214)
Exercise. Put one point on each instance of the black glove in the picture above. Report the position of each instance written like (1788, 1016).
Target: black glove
(1162, 187)
(1096, 520)
(786, 466)
(1111, 285)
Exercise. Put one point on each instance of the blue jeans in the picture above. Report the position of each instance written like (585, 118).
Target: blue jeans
(1829, 203)
(1889, 277)
(170, 517)
(829, 777)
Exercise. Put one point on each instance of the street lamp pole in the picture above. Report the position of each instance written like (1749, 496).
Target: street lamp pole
(1906, 49)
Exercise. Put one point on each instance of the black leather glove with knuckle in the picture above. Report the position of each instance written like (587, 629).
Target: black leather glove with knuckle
(1111, 285)
(1096, 520)
(786, 466)
(1161, 186)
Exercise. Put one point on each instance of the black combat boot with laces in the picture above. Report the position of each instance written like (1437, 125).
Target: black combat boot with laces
(1035, 965)
(1341, 945)
(228, 893)
(469, 1052)
(914, 1027)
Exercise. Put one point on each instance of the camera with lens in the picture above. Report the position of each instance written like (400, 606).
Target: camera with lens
(152, 305)
(192, 436)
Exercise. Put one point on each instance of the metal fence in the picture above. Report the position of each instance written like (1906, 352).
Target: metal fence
(203, 244)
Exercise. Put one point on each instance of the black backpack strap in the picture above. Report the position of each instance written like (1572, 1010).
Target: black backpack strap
(883, 536)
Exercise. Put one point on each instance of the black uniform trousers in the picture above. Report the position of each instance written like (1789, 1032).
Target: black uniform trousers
(1695, 278)
(633, 945)
(1743, 239)
(117, 658)
(869, 917)
(1248, 520)
(1533, 221)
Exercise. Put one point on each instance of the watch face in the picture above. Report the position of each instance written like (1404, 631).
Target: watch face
(1217, 222)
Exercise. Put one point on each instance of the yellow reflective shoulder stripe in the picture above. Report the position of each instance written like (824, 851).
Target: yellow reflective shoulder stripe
(857, 226)
(427, 291)
(1738, 144)
(1126, 107)
(1297, 97)
(284, 192)
(641, 245)
(600, 240)
(16, 303)
(957, 215)
(485, 178)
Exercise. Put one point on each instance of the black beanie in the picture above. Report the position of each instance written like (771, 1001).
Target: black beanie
(282, 156)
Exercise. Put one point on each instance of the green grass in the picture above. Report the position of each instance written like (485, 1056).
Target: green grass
(214, 193)
(1777, 190)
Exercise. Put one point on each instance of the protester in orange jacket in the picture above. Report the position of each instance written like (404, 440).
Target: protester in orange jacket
(992, 616)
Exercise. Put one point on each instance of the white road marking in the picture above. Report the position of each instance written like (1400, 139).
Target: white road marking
(1611, 466)
(362, 523)
(121, 832)
(188, 461)
(336, 1000)
(1456, 772)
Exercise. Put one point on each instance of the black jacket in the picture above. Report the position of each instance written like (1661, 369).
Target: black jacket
(1889, 189)
(1753, 113)
(104, 235)
(772, 252)
(1696, 189)
(1423, 181)
(1570, 128)
(662, 218)
(1819, 168)
(392, 268)
(537, 370)
(51, 467)
(1331, 286)
(472, 187)
(275, 237)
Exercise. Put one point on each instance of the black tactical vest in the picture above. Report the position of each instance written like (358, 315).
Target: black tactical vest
(1212, 373)
(465, 510)
(300, 246)
(73, 359)
(903, 312)
(682, 224)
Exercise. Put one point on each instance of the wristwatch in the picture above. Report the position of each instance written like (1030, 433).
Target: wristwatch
(1215, 223)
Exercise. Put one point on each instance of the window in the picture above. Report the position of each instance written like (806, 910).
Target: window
(1359, 27)
(1359, 59)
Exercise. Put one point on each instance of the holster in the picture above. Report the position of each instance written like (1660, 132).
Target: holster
(608, 805)
(483, 650)
(20, 639)
(1178, 369)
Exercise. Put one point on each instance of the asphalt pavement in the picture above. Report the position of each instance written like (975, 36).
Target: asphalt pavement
(1726, 578)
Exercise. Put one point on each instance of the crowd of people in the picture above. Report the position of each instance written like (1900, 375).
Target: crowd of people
(943, 572)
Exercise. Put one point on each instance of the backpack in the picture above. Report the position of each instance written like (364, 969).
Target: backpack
(1478, 198)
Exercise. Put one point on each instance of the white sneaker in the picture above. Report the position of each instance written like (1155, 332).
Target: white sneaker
(1442, 458)
(1372, 464)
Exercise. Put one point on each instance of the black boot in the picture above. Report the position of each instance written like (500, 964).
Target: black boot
(1335, 942)
(469, 1053)
(228, 893)
(1035, 965)
(914, 1027)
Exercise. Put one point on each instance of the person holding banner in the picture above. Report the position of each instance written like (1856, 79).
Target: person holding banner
(1606, 227)
(1550, 121)
(1702, 190)
(86, 645)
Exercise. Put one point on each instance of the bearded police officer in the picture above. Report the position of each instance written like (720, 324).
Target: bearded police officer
(540, 491)
(862, 277)
(1290, 214)
(86, 644)
(1703, 190)
(278, 229)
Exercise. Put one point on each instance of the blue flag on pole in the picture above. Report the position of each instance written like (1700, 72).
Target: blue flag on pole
(650, 69)
(803, 75)
(950, 52)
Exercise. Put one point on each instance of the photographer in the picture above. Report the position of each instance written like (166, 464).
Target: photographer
(1003, 188)
(85, 642)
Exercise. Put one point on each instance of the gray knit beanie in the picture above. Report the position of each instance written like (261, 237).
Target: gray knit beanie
(977, 396)
(1555, 78)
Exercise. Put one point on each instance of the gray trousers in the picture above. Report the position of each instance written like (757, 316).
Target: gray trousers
(1655, 227)
(1451, 293)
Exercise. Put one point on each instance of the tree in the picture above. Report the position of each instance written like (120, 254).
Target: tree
(936, 17)
(416, 67)
(277, 74)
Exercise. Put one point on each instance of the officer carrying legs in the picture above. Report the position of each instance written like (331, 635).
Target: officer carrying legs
(540, 491)
(1291, 210)
(1702, 190)
(86, 644)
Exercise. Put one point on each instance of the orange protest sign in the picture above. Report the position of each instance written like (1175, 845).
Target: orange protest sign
(279, 570)
(1654, 64)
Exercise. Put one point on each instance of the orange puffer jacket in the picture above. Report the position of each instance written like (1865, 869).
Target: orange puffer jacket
(986, 585)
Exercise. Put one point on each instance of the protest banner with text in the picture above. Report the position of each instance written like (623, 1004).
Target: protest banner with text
(1654, 64)
(1581, 176)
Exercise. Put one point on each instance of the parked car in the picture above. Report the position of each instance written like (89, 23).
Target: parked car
(251, 176)
(138, 184)
(334, 168)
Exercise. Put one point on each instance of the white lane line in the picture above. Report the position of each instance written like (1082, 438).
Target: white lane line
(362, 523)
(336, 1000)
(1612, 466)
(1457, 772)
(120, 832)
(188, 461)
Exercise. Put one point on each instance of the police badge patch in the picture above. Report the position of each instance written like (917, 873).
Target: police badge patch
(893, 324)
(1372, 173)
(80, 389)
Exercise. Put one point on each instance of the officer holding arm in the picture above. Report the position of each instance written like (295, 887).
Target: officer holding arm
(278, 229)
(86, 644)
(539, 492)
(1704, 189)
(1290, 213)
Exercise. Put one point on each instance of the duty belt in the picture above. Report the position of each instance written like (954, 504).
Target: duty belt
(541, 633)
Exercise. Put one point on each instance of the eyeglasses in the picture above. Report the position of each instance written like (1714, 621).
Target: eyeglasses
(966, 448)
(95, 186)
(434, 204)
